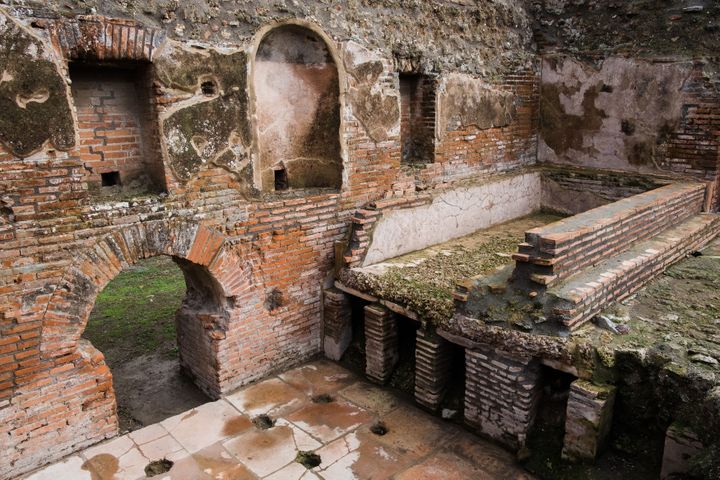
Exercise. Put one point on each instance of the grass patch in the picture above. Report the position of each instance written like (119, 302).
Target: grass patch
(135, 313)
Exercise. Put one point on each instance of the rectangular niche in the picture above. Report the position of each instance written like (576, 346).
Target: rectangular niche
(417, 118)
(117, 121)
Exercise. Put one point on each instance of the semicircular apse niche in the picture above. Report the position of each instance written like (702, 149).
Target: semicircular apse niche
(298, 111)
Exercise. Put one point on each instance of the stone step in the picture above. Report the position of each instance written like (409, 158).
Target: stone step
(561, 249)
(585, 294)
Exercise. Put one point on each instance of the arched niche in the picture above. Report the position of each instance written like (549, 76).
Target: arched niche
(297, 106)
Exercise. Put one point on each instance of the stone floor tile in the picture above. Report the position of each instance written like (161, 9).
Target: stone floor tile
(211, 463)
(351, 457)
(206, 425)
(445, 466)
(412, 431)
(70, 468)
(294, 471)
(266, 451)
(147, 434)
(119, 459)
(318, 377)
(328, 421)
(160, 448)
(378, 400)
(273, 397)
(499, 463)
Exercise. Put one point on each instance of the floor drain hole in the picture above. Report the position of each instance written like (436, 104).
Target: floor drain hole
(263, 422)
(308, 459)
(322, 398)
(379, 428)
(156, 467)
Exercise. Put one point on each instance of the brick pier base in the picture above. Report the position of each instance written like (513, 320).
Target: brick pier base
(381, 343)
(681, 446)
(588, 420)
(433, 356)
(337, 318)
(501, 395)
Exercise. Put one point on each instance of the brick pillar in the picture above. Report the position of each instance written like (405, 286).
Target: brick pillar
(337, 318)
(588, 420)
(501, 394)
(432, 368)
(381, 343)
(681, 446)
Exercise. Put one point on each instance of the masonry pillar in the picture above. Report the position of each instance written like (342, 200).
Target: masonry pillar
(588, 420)
(433, 357)
(501, 394)
(681, 445)
(337, 317)
(381, 343)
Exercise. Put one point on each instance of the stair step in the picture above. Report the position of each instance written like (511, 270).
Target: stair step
(585, 294)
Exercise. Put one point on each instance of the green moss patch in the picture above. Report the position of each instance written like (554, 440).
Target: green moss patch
(135, 313)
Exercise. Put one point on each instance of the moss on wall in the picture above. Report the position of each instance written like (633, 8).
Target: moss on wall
(33, 94)
(216, 130)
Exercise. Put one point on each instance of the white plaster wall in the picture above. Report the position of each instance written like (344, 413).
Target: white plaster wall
(454, 214)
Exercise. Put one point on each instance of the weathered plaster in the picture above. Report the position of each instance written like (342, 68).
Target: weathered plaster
(33, 94)
(463, 101)
(372, 102)
(206, 128)
(453, 214)
(615, 115)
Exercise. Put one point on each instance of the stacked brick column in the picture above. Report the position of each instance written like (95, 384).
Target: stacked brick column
(501, 395)
(337, 317)
(432, 368)
(381, 343)
(588, 420)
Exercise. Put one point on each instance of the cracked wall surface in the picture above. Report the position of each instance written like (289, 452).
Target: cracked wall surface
(453, 214)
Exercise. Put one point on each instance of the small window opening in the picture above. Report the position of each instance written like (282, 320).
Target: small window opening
(110, 179)
(417, 118)
(281, 179)
(208, 88)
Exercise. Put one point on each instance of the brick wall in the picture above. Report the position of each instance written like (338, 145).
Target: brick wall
(60, 245)
(470, 150)
(114, 125)
(693, 148)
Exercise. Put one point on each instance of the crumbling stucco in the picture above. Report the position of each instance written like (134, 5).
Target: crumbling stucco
(212, 126)
(33, 94)
(453, 214)
(374, 104)
(465, 101)
(615, 115)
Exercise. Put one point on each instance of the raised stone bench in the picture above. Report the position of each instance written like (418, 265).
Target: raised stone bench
(557, 251)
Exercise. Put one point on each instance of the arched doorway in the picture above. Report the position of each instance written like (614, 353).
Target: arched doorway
(214, 277)
(297, 101)
(147, 322)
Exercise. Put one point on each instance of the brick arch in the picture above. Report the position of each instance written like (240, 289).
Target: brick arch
(202, 252)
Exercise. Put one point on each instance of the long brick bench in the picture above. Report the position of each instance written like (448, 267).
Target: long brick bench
(583, 296)
(561, 249)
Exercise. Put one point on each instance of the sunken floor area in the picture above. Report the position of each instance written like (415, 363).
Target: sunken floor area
(317, 414)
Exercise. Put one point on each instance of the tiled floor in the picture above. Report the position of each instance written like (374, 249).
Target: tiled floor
(219, 441)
